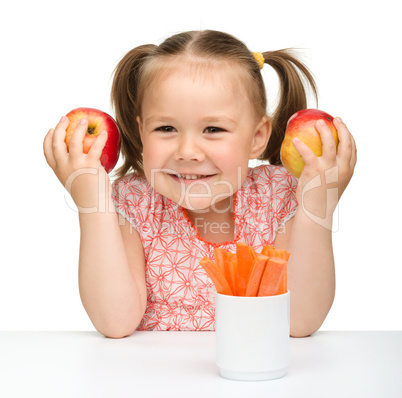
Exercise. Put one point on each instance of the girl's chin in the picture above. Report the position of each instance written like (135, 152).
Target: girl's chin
(196, 205)
(205, 205)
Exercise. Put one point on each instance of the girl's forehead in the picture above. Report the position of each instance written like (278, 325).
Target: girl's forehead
(223, 74)
(218, 82)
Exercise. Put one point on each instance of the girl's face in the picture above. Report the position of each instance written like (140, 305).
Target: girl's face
(199, 131)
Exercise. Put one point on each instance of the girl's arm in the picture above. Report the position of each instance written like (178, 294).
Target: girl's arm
(311, 273)
(111, 274)
(111, 262)
(308, 236)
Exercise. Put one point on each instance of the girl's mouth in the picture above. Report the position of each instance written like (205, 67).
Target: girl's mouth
(191, 177)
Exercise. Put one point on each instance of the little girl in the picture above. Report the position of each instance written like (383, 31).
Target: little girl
(192, 113)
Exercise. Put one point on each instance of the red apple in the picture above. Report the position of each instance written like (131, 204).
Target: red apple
(302, 126)
(97, 122)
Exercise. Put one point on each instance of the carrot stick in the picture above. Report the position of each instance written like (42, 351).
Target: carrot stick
(245, 259)
(271, 277)
(284, 255)
(266, 249)
(217, 277)
(220, 258)
(283, 287)
(225, 265)
(255, 276)
(270, 251)
(231, 271)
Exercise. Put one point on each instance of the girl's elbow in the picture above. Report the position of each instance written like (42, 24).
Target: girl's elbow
(303, 329)
(116, 333)
(301, 333)
(118, 330)
(117, 336)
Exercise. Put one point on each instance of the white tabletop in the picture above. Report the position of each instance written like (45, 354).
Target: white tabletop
(182, 364)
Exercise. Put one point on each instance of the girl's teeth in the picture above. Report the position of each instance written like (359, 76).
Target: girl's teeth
(190, 177)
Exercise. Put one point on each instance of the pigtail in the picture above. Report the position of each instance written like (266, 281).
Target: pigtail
(293, 98)
(124, 99)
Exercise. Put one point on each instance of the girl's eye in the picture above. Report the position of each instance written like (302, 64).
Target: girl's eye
(212, 129)
(165, 129)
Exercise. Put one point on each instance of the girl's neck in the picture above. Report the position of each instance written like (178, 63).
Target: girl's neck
(214, 225)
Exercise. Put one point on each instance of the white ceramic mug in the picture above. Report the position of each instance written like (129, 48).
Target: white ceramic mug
(252, 336)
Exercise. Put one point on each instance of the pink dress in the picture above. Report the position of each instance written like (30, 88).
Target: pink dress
(180, 293)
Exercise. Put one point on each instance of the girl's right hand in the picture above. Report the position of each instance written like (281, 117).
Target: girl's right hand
(79, 173)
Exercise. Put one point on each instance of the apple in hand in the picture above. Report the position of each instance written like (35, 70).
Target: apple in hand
(302, 126)
(97, 122)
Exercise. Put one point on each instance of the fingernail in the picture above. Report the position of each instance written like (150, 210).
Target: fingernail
(339, 120)
(321, 122)
(83, 121)
(103, 132)
(63, 118)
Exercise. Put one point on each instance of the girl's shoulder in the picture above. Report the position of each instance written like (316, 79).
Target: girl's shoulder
(268, 177)
(131, 177)
(133, 193)
(131, 183)
(135, 199)
(265, 202)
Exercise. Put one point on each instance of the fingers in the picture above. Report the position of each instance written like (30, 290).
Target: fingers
(304, 150)
(347, 145)
(328, 142)
(55, 148)
(76, 146)
(58, 145)
(96, 149)
(77, 139)
(353, 159)
(346, 151)
(47, 149)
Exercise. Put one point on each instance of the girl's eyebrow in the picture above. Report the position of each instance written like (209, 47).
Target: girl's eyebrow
(219, 119)
(206, 119)
(159, 118)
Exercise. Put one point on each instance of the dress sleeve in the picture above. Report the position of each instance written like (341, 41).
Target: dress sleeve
(131, 199)
(276, 189)
(284, 195)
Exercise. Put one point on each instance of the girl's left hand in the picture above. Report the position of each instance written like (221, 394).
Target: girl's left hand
(332, 170)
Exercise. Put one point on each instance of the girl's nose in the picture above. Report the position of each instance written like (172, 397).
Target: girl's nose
(188, 149)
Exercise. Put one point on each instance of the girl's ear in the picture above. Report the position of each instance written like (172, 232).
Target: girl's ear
(261, 136)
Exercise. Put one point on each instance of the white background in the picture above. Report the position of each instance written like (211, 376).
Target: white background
(55, 58)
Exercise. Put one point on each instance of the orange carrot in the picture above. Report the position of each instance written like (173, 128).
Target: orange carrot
(255, 275)
(266, 249)
(283, 286)
(224, 264)
(272, 252)
(217, 277)
(283, 254)
(220, 259)
(231, 271)
(246, 273)
(245, 259)
(271, 278)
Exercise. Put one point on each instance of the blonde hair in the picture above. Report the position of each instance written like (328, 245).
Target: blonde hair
(140, 66)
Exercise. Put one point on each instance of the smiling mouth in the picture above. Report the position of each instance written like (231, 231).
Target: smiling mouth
(191, 176)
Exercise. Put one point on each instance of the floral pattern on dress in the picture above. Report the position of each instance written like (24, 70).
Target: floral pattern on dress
(179, 292)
